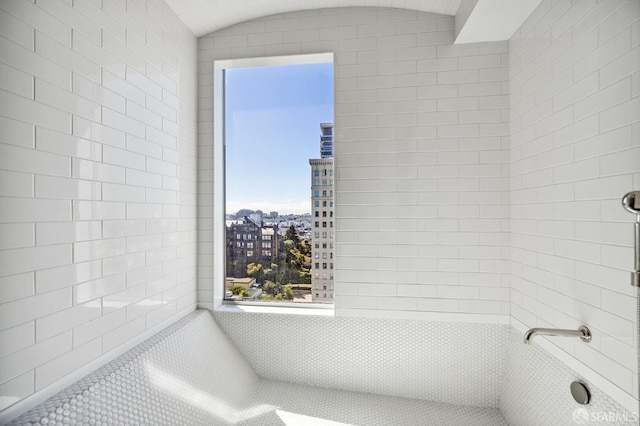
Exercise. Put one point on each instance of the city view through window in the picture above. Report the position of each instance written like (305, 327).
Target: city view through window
(279, 188)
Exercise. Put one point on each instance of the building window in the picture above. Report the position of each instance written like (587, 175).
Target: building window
(258, 100)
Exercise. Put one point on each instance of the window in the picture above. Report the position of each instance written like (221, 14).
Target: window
(272, 119)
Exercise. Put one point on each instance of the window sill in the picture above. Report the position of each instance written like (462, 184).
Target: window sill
(316, 309)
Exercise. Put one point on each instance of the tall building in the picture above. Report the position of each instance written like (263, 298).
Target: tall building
(322, 220)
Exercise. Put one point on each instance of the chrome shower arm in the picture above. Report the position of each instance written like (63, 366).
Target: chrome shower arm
(582, 332)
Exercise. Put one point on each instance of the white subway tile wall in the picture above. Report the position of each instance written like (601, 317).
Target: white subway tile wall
(97, 181)
(575, 151)
(421, 157)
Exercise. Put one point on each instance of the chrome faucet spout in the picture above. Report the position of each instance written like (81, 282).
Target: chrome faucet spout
(582, 332)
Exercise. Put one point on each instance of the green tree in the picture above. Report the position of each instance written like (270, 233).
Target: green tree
(239, 290)
(288, 292)
(292, 235)
(256, 270)
(272, 288)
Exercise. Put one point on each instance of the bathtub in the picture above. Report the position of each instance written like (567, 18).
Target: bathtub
(232, 368)
(193, 374)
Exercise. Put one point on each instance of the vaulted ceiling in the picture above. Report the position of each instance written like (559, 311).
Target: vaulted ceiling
(205, 16)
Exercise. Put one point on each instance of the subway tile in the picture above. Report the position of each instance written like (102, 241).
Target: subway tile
(16, 389)
(98, 288)
(118, 264)
(14, 287)
(32, 161)
(63, 365)
(34, 258)
(91, 250)
(16, 235)
(67, 232)
(36, 17)
(28, 358)
(120, 157)
(120, 335)
(17, 133)
(66, 188)
(98, 210)
(15, 184)
(34, 210)
(97, 171)
(67, 58)
(59, 322)
(27, 110)
(32, 63)
(98, 94)
(98, 133)
(16, 30)
(122, 122)
(67, 145)
(15, 81)
(31, 308)
(66, 276)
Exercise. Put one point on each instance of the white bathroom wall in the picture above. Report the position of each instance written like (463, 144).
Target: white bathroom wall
(421, 158)
(575, 151)
(97, 182)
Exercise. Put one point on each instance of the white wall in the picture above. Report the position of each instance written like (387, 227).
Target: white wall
(575, 151)
(421, 157)
(97, 182)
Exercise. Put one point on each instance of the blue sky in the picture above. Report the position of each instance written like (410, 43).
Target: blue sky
(272, 126)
